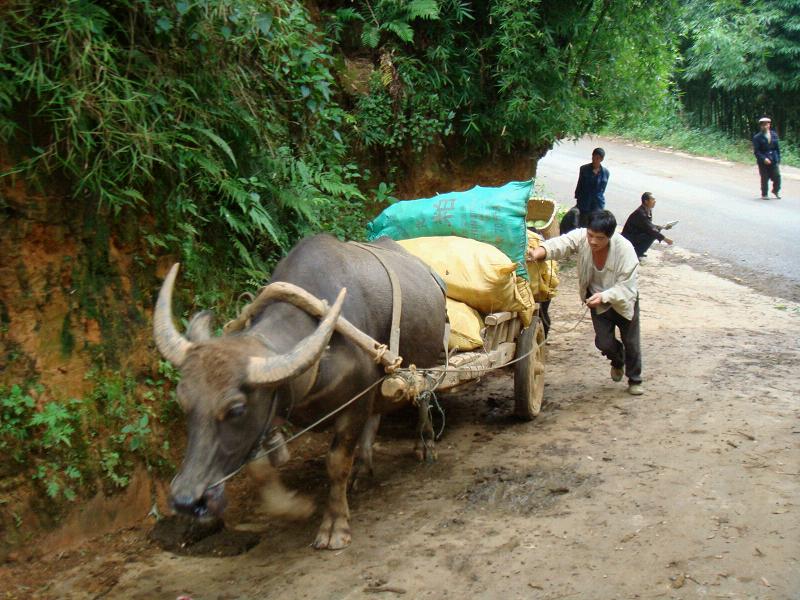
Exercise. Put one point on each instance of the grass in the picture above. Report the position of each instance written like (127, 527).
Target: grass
(703, 142)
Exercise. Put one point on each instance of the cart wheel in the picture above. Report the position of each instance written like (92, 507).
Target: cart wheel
(529, 372)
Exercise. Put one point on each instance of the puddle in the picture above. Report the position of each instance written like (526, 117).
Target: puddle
(194, 538)
(525, 492)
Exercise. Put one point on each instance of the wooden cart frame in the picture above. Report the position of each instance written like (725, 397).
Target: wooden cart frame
(506, 343)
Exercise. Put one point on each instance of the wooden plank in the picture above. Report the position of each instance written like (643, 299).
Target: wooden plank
(461, 358)
(513, 330)
(502, 332)
(491, 337)
(504, 353)
(499, 317)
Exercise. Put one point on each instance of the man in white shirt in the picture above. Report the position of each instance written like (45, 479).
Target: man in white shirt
(608, 284)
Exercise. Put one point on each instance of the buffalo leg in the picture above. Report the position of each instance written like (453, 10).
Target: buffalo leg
(334, 532)
(363, 465)
(277, 500)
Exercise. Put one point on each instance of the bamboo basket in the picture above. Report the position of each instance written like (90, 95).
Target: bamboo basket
(543, 209)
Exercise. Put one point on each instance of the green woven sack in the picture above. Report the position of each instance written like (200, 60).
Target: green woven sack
(492, 215)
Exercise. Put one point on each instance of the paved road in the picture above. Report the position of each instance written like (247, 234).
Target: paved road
(717, 203)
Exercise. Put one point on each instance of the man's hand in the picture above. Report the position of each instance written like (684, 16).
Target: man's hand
(668, 241)
(767, 161)
(536, 254)
(594, 300)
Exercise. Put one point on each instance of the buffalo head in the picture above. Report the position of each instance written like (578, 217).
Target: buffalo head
(227, 390)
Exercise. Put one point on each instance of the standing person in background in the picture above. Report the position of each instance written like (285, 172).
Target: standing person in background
(639, 229)
(608, 285)
(768, 157)
(591, 188)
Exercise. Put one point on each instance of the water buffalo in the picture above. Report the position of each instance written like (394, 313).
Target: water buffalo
(288, 363)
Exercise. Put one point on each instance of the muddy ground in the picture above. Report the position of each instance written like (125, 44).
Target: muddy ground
(689, 491)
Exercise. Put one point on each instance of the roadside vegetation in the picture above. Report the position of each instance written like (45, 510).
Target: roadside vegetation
(677, 135)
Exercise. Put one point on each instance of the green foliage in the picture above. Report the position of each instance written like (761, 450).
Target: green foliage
(677, 134)
(137, 432)
(408, 123)
(235, 159)
(57, 424)
(740, 62)
(58, 480)
(232, 162)
(395, 17)
(16, 409)
(66, 445)
(124, 412)
(42, 439)
(113, 468)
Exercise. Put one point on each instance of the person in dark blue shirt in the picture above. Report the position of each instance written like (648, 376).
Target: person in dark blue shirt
(592, 181)
(768, 157)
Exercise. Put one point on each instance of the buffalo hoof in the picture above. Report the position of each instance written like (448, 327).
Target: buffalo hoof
(281, 503)
(333, 536)
(362, 475)
(426, 452)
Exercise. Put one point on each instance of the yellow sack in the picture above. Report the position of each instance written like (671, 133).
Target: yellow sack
(544, 275)
(465, 326)
(477, 274)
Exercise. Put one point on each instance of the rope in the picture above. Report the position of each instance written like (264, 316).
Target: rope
(575, 326)
(380, 350)
(441, 412)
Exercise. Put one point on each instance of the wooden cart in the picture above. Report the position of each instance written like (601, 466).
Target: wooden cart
(506, 342)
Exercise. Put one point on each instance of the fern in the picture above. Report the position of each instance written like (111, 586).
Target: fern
(348, 15)
(402, 30)
(218, 141)
(422, 9)
(370, 36)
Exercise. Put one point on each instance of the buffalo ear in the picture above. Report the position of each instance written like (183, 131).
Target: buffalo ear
(199, 329)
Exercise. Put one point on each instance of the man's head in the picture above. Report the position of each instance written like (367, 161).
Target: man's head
(648, 199)
(765, 123)
(602, 225)
(598, 154)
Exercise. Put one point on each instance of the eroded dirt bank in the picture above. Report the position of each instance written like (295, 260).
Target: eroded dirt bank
(688, 491)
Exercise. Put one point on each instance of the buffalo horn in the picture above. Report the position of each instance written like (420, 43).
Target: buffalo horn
(272, 370)
(170, 342)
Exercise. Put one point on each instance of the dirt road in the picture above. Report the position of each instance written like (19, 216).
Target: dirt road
(688, 491)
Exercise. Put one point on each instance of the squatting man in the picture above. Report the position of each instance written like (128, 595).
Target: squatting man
(608, 284)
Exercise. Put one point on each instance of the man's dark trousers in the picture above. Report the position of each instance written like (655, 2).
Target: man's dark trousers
(641, 243)
(767, 172)
(628, 352)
